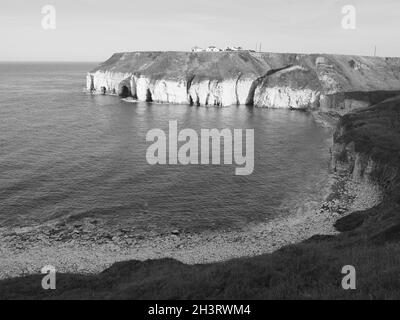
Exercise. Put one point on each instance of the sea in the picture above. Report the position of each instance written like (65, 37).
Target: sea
(68, 155)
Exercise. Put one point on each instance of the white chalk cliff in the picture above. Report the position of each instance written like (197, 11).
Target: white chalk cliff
(272, 80)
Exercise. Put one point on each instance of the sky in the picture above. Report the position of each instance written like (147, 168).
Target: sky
(92, 30)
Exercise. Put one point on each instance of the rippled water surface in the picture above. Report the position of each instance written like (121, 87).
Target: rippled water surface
(65, 154)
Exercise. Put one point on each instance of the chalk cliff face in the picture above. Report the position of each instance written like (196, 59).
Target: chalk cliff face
(219, 92)
(272, 80)
(294, 87)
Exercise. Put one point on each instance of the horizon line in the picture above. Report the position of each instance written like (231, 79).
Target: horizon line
(189, 51)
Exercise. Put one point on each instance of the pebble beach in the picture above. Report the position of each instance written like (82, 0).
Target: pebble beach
(86, 247)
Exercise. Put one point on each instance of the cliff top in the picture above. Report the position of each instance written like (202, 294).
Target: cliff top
(374, 131)
(338, 73)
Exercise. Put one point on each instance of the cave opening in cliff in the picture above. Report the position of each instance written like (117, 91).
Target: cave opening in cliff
(149, 97)
(124, 92)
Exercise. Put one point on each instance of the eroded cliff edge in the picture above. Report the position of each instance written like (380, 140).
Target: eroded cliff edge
(278, 80)
(367, 146)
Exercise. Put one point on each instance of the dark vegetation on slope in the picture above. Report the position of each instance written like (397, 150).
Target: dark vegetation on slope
(310, 270)
(305, 271)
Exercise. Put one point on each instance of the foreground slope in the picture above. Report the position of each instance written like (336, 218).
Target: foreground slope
(279, 80)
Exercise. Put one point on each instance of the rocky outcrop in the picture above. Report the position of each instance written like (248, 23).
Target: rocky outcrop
(367, 143)
(295, 87)
(326, 82)
(181, 78)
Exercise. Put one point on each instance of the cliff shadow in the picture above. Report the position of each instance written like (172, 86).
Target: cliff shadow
(127, 88)
(149, 96)
(124, 92)
(252, 91)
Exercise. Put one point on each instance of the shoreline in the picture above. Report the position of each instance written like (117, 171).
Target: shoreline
(83, 248)
(88, 248)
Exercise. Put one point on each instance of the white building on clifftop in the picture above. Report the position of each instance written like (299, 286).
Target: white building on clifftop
(198, 49)
(213, 49)
(234, 49)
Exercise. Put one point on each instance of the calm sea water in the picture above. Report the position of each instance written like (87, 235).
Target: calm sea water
(65, 154)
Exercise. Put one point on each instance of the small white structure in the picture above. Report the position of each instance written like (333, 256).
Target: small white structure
(234, 49)
(198, 49)
(213, 49)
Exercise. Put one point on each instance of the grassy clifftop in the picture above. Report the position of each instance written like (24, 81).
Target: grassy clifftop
(338, 73)
(182, 65)
(374, 131)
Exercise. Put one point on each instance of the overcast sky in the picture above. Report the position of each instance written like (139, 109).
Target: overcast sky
(91, 30)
